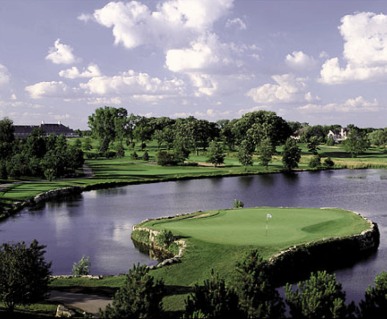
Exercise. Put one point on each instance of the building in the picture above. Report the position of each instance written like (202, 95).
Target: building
(23, 131)
(338, 135)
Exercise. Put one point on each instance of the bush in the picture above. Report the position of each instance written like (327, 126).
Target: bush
(145, 156)
(328, 162)
(315, 161)
(165, 238)
(165, 158)
(134, 156)
(238, 203)
(82, 267)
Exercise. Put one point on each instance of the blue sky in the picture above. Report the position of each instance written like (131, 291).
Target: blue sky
(321, 62)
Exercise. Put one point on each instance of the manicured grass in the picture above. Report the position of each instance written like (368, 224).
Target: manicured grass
(218, 239)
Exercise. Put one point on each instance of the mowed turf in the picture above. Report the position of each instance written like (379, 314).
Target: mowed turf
(269, 227)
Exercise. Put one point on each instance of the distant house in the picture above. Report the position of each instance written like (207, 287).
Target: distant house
(338, 135)
(23, 131)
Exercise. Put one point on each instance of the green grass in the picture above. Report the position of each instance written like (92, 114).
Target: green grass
(218, 239)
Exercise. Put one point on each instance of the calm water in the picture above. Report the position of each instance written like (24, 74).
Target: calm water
(98, 223)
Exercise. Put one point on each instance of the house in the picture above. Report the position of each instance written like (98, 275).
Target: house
(23, 131)
(338, 135)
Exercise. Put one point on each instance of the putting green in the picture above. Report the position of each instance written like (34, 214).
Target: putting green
(264, 226)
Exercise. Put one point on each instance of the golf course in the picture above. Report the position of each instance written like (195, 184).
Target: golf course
(218, 239)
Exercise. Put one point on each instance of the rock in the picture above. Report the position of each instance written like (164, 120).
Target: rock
(63, 312)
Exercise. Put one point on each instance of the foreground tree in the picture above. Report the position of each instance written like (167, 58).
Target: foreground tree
(245, 153)
(291, 155)
(213, 300)
(24, 274)
(265, 151)
(258, 297)
(139, 297)
(321, 296)
(375, 303)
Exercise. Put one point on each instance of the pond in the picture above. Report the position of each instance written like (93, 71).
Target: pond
(98, 223)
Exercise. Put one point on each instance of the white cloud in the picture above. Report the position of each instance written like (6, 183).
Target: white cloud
(73, 73)
(129, 83)
(61, 53)
(365, 50)
(48, 89)
(287, 88)
(205, 84)
(4, 75)
(237, 22)
(300, 61)
(134, 24)
(354, 105)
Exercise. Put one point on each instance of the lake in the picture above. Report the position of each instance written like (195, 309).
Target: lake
(98, 223)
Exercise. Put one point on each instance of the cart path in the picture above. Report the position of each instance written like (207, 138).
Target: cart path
(86, 302)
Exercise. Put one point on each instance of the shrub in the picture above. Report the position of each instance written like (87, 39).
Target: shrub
(82, 267)
(165, 238)
(165, 158)
(328, 162)
(315, 161)
(238, 203)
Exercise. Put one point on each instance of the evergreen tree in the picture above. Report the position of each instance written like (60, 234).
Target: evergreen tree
(258, 297)
(375, 303)
(321, 296)
(213, 300)
(139, 297)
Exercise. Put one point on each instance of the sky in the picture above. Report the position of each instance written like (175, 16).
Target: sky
(320, 62)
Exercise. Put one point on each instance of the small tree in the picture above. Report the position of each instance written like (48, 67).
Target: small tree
(258, 297)
(238, 203)
(321, 296)
(357, 142)
(24, 274)
(139, 297)
(213, 300)
(328, 163)
(82, 267)
(315, 161)
(291, 155)
(216, 153)
(265, 151)
(375, 303)
(245, 153)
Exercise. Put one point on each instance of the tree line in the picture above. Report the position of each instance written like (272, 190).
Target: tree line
(38, 155)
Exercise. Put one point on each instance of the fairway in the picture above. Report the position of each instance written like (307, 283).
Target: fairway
(268, 227)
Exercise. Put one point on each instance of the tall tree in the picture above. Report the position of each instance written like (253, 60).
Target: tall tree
(258, 297)
(291, 155)
(6, 138)
(245, 153)
(265, 151)
(24, 274)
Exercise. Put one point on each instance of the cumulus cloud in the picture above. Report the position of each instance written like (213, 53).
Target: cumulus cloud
(134, 24)
(48, 89)
(73, 73)
(236, 23)
(287, 88)
(61, 53)
(365, 50)
(353, 105)
(4, 75)
(300, 61)
(131, 82)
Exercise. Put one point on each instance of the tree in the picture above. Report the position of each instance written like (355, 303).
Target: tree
(216, 153)
(375, 303)
(6, 138)
(378, 137)
(245, 153)
(139, 297)
(213, 300)
(24, 274)
(313, 145)
(82, 267)
(265, 151)
(321, 296)
(291, 154)
(357, 141)
(258, 297)
(315, 161)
